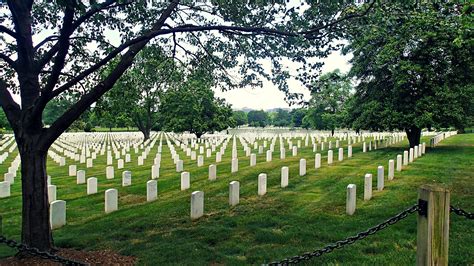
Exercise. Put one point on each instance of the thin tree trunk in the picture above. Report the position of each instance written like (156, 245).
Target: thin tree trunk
(36, 230)
(413, 134)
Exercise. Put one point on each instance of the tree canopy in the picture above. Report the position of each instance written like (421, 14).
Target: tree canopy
(240, 118)
(258, 118)
(328, 105)
(415, 64)
(136, 95)
(192, 107)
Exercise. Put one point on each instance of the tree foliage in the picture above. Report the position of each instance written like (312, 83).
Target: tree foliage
(282, 118)
(415, 66)
(135, 98)
(258, 118)
(329, 101)
(240, 118)
(192, 107)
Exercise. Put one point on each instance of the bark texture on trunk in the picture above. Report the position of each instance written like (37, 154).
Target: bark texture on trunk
(413, 134)
(146, 134)
(36, 230)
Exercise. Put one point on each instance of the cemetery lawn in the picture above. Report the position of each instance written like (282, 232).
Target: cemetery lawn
(305, 216)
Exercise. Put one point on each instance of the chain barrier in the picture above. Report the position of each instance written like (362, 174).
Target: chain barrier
(37, 253)
(350, 240)
(293, 260)
(461, 212)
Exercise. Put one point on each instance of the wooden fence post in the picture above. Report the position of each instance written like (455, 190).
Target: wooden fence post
(433, 226)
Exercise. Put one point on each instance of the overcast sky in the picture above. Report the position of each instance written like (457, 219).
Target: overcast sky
(269, 97)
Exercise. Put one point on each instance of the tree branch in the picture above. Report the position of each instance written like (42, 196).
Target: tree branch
(10, 107)
(8, 31)
(8, 60)
(190, 28)
(77, 23)
(59, 61)
(66, 119)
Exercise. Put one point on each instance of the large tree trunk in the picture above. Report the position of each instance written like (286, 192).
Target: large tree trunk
(198, 134)
(413, 134)
(36, 230)
(146, 133)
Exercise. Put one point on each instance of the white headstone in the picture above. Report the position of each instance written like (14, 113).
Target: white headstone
(235, 165)
(341, 154)
(212, 172)
(81, 177)
(4, 189)
(253, 159)
(269, 156)
(368, 186)
(234, 193)
(380, 178)
(330, 155)
(405, 158)
(51, 193)
(349, 151)
(151, 190)
(411, 156)
(185, 180)
(179, 166)
(351, 199)
(57, 214)
(200, 161)
(89, 163)
(72, 170)
(126, 178)
(295, 151)
(262, 184)
(110, 173)
(9, 177)
(302, 167)
(317, 161)
(282, 153)
(111, 200)
(91, 185)
(399, 163)
(120, 164)
(197, 204)
(391, 169)
(284, 176)
(155, 171)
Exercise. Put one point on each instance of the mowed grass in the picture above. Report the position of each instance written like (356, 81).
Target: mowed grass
(305, 216)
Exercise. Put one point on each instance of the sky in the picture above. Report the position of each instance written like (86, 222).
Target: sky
(269, 97)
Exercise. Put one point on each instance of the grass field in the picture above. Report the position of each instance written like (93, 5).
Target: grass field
(306, 215)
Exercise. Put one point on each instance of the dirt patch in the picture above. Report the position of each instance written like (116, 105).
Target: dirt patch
(103, 257)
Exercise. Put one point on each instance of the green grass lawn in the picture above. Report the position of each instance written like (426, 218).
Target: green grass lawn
(305, 216)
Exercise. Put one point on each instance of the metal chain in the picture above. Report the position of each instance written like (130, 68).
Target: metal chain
(462, 212)
(350, 240)
(36, 252)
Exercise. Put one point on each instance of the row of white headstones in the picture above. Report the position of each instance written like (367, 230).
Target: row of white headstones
(111, 195)
(197, 204)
